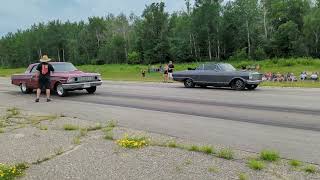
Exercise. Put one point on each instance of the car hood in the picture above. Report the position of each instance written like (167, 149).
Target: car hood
(72, 74)
(244, 73)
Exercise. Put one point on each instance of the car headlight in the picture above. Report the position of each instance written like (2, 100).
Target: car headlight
(99, 77)
(70, 80)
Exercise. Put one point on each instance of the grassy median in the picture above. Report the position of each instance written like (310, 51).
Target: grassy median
(125, 72)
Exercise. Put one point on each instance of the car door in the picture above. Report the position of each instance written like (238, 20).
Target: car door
(33, 80)
(211, 73)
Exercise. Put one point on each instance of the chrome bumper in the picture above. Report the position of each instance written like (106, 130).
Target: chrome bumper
(254, 82)
(83, 85)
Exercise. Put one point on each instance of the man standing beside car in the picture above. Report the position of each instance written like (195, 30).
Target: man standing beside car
(170, 70)
(44, 72)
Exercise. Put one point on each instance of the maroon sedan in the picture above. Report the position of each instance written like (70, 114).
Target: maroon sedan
(65, 78)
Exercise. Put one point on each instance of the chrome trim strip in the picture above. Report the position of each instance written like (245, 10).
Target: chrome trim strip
(80, 85)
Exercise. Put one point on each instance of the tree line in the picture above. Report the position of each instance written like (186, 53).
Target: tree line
(207, 30)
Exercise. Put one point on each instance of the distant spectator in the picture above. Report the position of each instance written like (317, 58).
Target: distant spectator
(279, 77)
(258, 67)
(143, 73)
(292, 77)
(264, 77)
(165, 74)
(170, 70)
(160, 68)
(314, 76)
(303, 76)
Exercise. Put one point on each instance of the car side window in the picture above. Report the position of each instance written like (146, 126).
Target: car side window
(212, 67)
(33, 69)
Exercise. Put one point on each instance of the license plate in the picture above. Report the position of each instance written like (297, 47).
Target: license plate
(86, 85)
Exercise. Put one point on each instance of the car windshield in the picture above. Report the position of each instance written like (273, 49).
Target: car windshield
(227, 67)
(64, 67)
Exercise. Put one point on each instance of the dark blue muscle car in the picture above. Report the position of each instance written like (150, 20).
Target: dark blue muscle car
(219, 75)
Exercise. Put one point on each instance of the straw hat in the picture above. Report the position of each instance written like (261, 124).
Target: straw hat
(45, 59)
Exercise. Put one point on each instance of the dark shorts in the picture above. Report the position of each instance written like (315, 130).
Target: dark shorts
(44, 83)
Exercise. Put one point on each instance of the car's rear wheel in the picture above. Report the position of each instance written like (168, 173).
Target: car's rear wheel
(252, 87)
(188, 83)
(238, 84)
(91, 90)
(24, 89)
(60, 90)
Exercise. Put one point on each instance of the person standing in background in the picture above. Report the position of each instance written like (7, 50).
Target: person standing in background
(170, 70)
(165, 74)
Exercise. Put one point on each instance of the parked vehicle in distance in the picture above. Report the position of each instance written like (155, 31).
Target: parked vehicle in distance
(218, 75)
(66, 77)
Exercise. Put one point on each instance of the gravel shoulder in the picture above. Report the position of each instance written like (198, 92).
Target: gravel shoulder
(53, 153)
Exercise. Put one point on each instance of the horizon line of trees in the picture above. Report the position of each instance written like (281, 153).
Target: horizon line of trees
(209, 30)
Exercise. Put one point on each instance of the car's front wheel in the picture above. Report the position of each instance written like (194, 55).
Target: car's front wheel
(91, 90)
(252, 87)
(238, 84)
(60, 90)
(24, 89)
(188, 83)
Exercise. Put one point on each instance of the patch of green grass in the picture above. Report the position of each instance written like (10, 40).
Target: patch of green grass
(226, 154)
(213, 169)
(37, 119)
(13, 111)
(108, 135)
(194, 148)
(300, 84)
(1, 130)
(256, 165)
(269, 155)
(83, 132)
(243, 176)
(76, 140)
(172, 144)
(70, 127)
(310, 169)
(95, 127)
(8, 72)
(112, 124)
(8, 172)
(43, 128)
(295, 163)
(108, 130)
(133, 142)
(206, 149)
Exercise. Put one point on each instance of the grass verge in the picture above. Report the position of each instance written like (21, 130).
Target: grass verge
(243, 176)
(255, 164)
(70, 127)
(295, 163)
(8, 172)
(226, 154)
(133, 142)
(269, 155)
(310, 169)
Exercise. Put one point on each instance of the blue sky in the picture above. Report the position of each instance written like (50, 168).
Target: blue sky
(21, 14)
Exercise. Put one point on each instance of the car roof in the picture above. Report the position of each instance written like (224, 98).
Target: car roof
(212, 63)
(52, 63)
